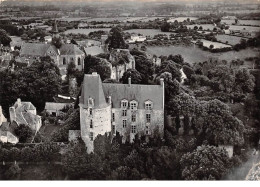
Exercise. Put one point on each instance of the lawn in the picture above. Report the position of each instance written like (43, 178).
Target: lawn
(147, 32)
(232, 40)
(193, 54)
(85, 31)
(47, 130)
(247, 28)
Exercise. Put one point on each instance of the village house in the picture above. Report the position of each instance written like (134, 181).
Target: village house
(136, 38)
(6, 130)
(25, 113)
(130, 109)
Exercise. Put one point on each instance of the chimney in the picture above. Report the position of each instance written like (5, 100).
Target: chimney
(12, 114)
(94, 73)
(109, 100)
(161, 81)
(129, 81)
(19, 102)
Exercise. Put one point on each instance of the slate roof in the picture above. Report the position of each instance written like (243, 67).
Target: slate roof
(137, 92)
(93, 51)
(35, 49)
(92, 88)
(70, 49)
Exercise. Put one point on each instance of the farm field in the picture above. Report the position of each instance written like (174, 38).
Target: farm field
(247, 28)
(232, 40)
(147, 32)
(181, 19)
(193, 54)
(85, 31)
(204, 26)
(216, 45)
(242, 22)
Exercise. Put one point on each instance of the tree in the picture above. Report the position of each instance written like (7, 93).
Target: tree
(23, 132)
(171, 67)
(4, 39)
(56, 41)
(13, 172)
(135, 76)
(99, 65)
(165, 27)
(172, 87)
(116, 40)
(176, 58)
(125, 173)
(37, 83)
(205, 163)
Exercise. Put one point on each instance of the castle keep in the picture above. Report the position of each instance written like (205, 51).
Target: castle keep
(130, 109)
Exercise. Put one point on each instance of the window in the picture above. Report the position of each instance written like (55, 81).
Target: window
(79, 63)
(124, 113)
(113, 129)
(133, 117)
(133, 129)
(90, 111)
(91, 136)
(148, 118)
(113, 117)
(124, 104)
(91, 124)
(148, 106)
(64, 61)
(124, 123)
(133, 105)
(147, 130)
(72, 59)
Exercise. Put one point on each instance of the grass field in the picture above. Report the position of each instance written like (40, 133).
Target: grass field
(85, 31)
(193, 54)
(216, 45)
(147, 32)
(247, 28)
(232, 40)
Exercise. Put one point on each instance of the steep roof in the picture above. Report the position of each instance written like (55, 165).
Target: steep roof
(137, 92)
(92, 88)
(70, 49)
(35, 49)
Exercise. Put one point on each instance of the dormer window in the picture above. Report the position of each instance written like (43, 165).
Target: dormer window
(124, 103)
(133, 105)
(148, 105)
(91, 124)
(90, 102)
(90, 111)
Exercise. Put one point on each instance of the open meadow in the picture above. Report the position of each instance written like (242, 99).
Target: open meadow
(85, 31)
(192, 54)
(232, 40)
(147, 32)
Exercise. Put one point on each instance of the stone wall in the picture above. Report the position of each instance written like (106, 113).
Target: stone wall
(101, 120)
(157, 122)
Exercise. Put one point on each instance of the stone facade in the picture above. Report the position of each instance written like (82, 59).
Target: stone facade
(2, 117)
(129, 109)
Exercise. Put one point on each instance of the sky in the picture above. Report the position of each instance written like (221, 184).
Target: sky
(138, 0)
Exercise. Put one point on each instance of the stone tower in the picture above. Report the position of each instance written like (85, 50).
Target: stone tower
(95, 110)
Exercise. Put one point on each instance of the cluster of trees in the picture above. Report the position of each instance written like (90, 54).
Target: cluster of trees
(71, 122)
(252, 42)
(5, 39)
(232, 84)
(10, 28)
(46, 151)
(37, 83)
(176, 160)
